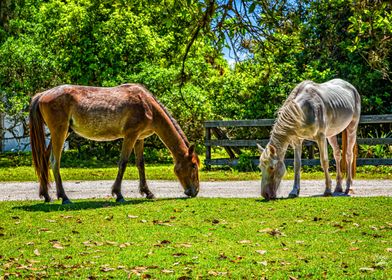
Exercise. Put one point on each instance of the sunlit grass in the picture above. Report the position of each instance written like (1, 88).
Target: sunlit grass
(335, 238)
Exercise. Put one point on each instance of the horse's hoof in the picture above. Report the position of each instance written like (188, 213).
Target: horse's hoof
(349, 191)
(66, 201)
(293, 195)
(150, 196)
(120, 200)
(338, 190)
(327, 193)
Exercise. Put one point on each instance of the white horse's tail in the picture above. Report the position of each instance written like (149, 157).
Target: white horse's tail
(344, 151)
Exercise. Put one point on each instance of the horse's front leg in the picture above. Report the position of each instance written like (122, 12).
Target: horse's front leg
(143, 188)
(297, 169)
(323, 147)
(127, 146)
(336, 154)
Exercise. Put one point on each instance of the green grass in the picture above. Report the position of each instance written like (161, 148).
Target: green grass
(307, 238)
(165, 172)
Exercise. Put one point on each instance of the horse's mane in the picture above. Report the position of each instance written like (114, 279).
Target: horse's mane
(174, 122)
(290, 116)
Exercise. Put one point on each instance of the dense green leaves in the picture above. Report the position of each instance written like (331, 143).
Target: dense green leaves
(276, 46)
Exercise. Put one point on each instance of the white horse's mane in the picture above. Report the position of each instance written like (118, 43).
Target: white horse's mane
(290, 116)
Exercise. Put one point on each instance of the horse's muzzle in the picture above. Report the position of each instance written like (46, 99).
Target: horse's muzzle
(191, 191)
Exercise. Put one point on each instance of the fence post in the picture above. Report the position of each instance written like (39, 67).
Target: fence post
(208, 148)
(1, 133)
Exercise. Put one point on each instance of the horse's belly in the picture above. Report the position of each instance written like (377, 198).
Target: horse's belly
(97, 135)
(97, 131)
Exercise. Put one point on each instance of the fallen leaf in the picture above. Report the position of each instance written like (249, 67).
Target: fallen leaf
(132, 217)
(263, 263)
(66, 217)
(381, 264)
(167, 271)
(244, 241)
(30, 243)
(299, 241)
(36, 252)
(106, 268)
(261, 252)
(292, 278)
(179, 254)
(124, 245)
(112, 243)
(58, 246)
(389, 250)
(185, 245)
(366, 269)
(354, 249)
(51, 221)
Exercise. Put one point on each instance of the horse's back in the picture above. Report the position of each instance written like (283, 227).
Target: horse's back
(331, 105)
(97, 113)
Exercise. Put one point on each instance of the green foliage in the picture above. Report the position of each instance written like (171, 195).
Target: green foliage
(105, 43)
(245, 162)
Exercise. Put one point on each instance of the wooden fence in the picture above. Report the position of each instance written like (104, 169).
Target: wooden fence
(232, 146)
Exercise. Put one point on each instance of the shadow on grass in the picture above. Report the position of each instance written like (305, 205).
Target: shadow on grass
(85, 205)
(335, 194)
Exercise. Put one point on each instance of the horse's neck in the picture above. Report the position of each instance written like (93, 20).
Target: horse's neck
(168, 133)
(280, 142)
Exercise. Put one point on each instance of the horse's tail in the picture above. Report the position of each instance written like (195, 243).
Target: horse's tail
(39, 151)
(344, 151)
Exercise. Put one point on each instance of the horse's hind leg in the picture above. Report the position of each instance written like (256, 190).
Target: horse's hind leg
(351, 140)
(127, 146)
(143, 188)
(59, 134)
(333, 141)
(297, 170)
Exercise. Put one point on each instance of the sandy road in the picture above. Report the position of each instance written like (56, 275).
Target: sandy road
(165, 189)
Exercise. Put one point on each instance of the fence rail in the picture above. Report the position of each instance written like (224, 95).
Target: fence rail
(212, 128)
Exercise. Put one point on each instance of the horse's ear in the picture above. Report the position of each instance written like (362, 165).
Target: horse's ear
(261, 149)
(191, 149)
(272, 150)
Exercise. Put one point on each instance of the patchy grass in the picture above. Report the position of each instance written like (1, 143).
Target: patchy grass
(339, 238)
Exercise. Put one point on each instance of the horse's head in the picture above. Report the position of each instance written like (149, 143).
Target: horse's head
(272, 170)
(187, 171)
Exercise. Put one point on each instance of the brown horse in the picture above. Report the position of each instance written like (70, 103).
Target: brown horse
(127, 111)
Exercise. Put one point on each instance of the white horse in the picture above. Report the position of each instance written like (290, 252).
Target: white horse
(314, 112)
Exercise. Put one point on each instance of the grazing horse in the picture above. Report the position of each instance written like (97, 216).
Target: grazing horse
(127, 111)
(314, 112)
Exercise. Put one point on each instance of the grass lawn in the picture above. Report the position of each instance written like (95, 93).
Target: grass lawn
(307, 238)
(165, 172)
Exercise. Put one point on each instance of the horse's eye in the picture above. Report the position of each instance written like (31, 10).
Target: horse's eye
(194, 166)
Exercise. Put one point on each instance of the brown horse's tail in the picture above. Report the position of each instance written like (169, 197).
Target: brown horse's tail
(38, 148)
(344, 151)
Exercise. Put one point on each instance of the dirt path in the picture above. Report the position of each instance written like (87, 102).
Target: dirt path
(164, 189)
